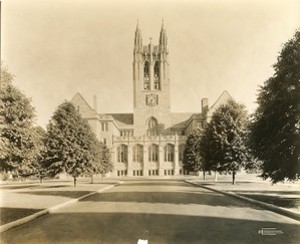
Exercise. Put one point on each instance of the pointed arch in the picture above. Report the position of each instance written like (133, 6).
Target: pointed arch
(147, 75)
(153, 153)
(157, 76)
(152, 127)
(138, 153)
(122, 152)
(169, 153)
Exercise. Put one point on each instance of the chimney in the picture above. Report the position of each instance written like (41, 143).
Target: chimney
(95, 103)
(204, 106)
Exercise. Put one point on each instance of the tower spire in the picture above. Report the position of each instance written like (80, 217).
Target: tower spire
(138, 42)
(163, 39)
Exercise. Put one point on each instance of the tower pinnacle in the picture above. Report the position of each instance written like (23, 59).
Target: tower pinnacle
(163, 39)
(138, 42)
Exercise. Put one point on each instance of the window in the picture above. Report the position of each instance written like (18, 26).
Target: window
(138, 153)
(104, 141)
(104, 126)
(156, 76)
(147, 76)
(153, 153)
(169, 153)
(152, 127)
(122, 172)
(122, 154)
(137, 173)
(181, 149)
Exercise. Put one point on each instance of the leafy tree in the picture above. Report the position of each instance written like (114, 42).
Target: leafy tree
(36, 168)
(17, 144)
(102, 163)
(276, 124)
(6, 77)
(223, 145)
(70, 143)
(192, 160)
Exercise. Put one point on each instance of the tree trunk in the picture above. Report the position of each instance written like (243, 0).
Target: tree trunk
(41, 179)
(233, 177)
(204, 176)
(216, 175)
(92, 179)
(75, 181)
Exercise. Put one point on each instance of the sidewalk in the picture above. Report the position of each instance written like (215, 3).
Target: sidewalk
(284, 196)
(21, 200)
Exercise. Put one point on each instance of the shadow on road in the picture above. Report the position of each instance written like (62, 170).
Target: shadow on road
(156, 228)
(200, 198)
(69, 194)
(150, 183)
(11, 214)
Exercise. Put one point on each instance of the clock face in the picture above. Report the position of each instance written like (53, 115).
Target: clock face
(151, 100)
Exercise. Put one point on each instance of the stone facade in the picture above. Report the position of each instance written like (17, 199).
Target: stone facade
(149, 141)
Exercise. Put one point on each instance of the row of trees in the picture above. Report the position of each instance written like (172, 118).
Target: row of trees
(68, 145)
(269, 140)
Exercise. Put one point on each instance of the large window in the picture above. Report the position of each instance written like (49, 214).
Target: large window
(156, 76)
(147, 76)
(152, 127)
(138, 153)
(122, 154)
(169, 153)
(153, 153)
(181, 149)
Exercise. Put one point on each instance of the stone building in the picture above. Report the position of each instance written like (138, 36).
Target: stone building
(149, 141)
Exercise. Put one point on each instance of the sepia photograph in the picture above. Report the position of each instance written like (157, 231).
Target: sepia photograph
(146, 122)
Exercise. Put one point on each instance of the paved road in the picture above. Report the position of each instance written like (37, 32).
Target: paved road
(157, 211)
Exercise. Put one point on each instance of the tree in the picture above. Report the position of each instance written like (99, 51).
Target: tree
(275, 130)
(223, 145)
(102, 163)
(17, 144)
(70, 143)
(6, 77)
(192, 160)
(36, 168)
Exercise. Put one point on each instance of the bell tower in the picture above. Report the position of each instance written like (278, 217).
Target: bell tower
(151, 84)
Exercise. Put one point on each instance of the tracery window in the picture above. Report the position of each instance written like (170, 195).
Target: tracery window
(147, 76)
(152, 127)
(138, 153)
(156, 76)
(153, 153)
(169, 153)
(181, 149)
(122, 154)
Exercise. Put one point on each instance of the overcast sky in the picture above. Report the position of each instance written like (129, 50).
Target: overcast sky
(56, 48)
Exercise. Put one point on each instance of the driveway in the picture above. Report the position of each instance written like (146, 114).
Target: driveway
(160, 211)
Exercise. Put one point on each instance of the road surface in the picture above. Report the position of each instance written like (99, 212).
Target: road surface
(159, 211)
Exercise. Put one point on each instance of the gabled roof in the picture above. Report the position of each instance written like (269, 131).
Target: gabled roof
(223, 98)
(77, 97)
(179, 120)
(85, 108)
(123, 119)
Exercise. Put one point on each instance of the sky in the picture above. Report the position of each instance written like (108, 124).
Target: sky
(58, 48)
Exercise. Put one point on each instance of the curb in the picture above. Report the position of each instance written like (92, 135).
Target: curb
(267, 206)
(34, 216)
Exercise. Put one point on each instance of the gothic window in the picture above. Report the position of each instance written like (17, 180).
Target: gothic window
(181, 149)
(156, 76)
(153, 153)
(152, 127)
(147, 76)
(138, 153)
(122, 154)
(169, 153)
